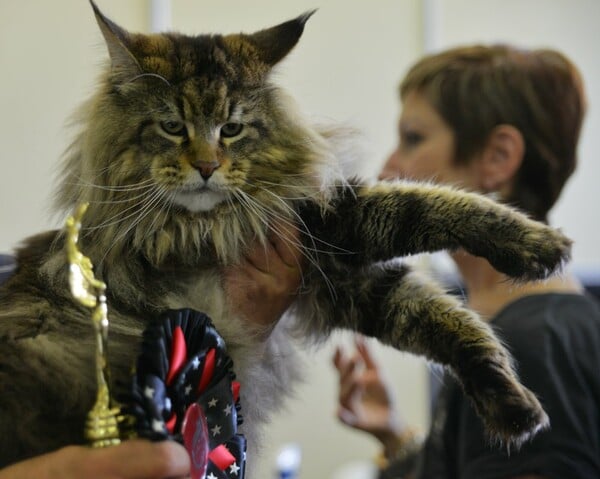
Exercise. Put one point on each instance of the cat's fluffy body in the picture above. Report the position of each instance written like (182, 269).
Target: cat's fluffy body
(176, 192)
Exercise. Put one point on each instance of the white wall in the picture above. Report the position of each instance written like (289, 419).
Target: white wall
(49, 58)
(345, 68)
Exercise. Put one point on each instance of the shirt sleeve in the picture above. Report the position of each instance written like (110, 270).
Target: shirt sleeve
(557, 357)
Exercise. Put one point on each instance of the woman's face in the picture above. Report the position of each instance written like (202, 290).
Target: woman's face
(425, 148)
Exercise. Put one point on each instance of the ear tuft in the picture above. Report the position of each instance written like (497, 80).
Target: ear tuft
(305, 16)
(123, 62)
(275, 43)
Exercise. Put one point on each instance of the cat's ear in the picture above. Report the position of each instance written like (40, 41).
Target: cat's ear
(274, 43)
(123, 63)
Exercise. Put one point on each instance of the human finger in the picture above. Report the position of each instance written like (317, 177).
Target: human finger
(365, 354)
(139, 459)
(350, 381)
(345, 365)
(349, 391)
(134, 459)
(285, 238)
(347, 416)
(261, 256)
(338, 357)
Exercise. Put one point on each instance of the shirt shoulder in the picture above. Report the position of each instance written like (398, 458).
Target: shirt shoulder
(534, 327)
(555, 341)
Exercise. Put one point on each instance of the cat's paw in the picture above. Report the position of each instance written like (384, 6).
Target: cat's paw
(535, 252)
(518, 420)
(511, 414)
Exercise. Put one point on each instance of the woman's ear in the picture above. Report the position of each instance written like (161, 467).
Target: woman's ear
(501, 159)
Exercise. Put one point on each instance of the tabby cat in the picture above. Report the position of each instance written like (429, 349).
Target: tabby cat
(187, 154)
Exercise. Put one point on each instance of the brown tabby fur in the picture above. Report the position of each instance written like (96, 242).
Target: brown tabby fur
(159, 234)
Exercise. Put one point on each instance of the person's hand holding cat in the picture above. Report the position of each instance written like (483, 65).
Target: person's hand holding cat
(265, 283)
(135, 459)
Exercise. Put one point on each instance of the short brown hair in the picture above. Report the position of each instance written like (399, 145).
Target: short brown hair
(539, 92)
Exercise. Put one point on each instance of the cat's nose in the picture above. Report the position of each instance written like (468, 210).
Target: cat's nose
(207, 168)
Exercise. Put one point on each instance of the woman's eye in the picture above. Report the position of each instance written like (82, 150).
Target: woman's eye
(229, 130)
(173, 127)
(410, 138)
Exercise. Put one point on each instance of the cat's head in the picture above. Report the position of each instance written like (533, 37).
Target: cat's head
(191, 127)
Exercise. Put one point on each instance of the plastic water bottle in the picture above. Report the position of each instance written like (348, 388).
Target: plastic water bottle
(288, 462)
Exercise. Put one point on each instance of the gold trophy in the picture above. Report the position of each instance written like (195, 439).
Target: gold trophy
(102, 424)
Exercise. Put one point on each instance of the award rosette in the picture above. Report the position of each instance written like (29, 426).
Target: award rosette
(184, 389)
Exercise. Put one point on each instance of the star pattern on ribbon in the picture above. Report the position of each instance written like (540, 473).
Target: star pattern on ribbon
(184, 389)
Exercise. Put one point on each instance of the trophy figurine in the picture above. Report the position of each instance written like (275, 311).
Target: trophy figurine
(101, 428)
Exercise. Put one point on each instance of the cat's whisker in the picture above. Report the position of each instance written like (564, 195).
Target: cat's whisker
(144, 198)
(169, 203)
(118, 217)
(142, 185)
(310, 255)
(304, 187)
(126, 189)
(148, 207)
(146, 184)
(117, 202)
(300, 174)
(261, 211)
(316, 187)
(300, 197)
(264, 213)
(289, 222)
(247, 202)
(305, 230)
(144, 75)
(306, 252)
(274, 215)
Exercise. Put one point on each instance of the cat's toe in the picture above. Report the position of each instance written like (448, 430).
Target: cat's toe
(514, 417)
(549, 251)
(534, 255)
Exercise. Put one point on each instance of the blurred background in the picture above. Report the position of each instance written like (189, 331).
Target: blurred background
(345, 69)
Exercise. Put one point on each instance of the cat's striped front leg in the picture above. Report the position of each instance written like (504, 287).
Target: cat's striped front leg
(376, 223)
(408, 312)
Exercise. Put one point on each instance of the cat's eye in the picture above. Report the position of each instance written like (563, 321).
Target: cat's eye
(173, 127)
(229, 130)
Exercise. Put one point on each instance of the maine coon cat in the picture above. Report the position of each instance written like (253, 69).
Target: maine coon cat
(187, 153)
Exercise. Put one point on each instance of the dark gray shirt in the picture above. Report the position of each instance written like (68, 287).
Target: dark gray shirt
(555, 340)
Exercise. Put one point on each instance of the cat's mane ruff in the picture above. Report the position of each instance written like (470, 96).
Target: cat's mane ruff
(160, 234)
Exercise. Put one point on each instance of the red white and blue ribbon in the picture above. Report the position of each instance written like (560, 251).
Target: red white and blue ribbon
(184, 389)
